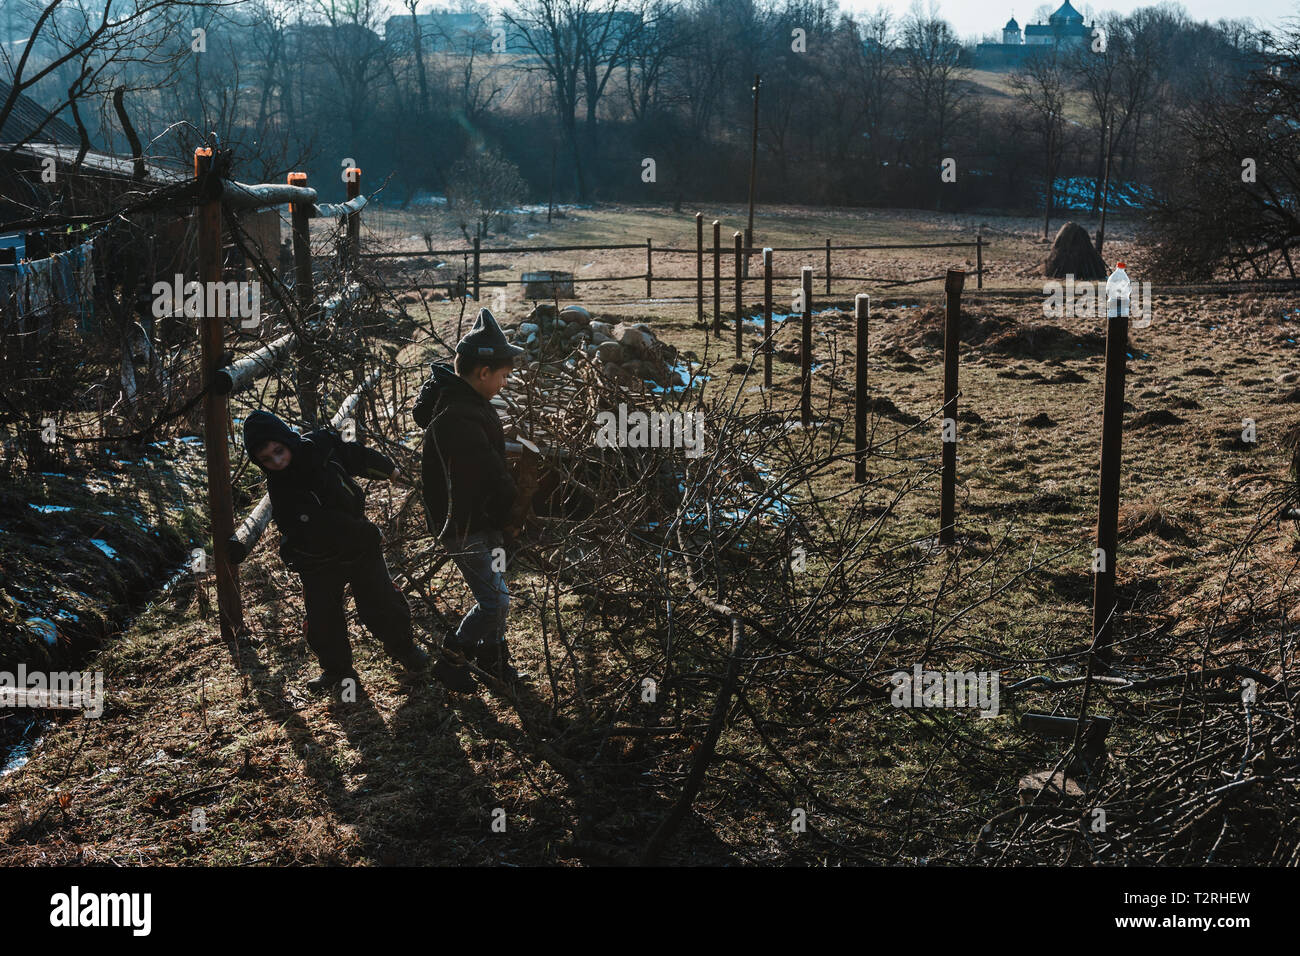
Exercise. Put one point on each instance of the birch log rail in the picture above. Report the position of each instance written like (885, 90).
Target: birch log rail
(259, 196)
(239, 375)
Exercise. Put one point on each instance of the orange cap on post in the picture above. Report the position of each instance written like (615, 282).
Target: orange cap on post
(200, 152)
(1119, 265)
(296, 179)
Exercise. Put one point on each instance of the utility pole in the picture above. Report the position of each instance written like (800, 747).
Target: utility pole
(753, 170)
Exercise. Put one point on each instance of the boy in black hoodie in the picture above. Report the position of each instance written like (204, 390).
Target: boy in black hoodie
(327, 539)
(468, 491)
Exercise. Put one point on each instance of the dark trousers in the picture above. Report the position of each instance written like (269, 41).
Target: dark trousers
(380, 606)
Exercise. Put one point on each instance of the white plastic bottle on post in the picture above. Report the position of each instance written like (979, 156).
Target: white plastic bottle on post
(1117, 292)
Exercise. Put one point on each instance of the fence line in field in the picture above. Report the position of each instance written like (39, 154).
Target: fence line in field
(741, 252)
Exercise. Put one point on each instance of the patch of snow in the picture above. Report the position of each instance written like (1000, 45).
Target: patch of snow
(535, 208)
(423, 199)
(683, 372)
(782, 316)
(1075, 192)
(45, 628)
(22, 751)
(49, 509)
(105, 547)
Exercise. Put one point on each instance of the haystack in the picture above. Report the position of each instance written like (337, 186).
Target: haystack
(1073, 254)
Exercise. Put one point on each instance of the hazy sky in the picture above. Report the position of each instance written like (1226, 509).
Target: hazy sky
(977, 17)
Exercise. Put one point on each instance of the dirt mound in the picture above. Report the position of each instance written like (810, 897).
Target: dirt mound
(1041, 420)
(1051, 502)
(926, 329)
(1036, 341)
(1158, 418)
(887, 409)
(1073, 254)
(993, 332)
(897, 354)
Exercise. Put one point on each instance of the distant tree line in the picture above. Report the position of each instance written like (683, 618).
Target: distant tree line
(853, 109)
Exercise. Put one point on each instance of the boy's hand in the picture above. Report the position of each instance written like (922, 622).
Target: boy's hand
(398, 477)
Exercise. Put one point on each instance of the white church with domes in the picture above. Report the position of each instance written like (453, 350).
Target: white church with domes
(1064, 28)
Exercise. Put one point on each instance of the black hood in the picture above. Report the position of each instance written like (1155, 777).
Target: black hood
(261, 427)
(445, 379)
(442, 381)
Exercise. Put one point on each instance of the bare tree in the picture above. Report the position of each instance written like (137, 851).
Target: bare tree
(1228, 187)
(875, 76)
(934, 85)
(351, 49)
(1096, 68)
(552, 31)
(603, 37)
(1041, 87)
(417, 53)
(77, 50)
(648, 54)
(482, 185)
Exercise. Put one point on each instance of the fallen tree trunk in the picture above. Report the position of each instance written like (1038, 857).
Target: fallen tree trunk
(246, 536)
(239, 375)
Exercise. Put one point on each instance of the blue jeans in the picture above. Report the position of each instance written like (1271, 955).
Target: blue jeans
(478, 559)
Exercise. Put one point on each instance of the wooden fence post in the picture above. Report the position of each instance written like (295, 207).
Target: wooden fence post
(951, 344)
(477, 244)
(216, 414)
(979, 258)
(828, 266)
(805, 349)
(740, 286)
(699, 267)
(861, 312)
(767, 318)
(308, 373)
(717, 278)
(1104, 606)
(649, 267)
(354, 221)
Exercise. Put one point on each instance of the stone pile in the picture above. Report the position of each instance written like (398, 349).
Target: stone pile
(626, 351)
